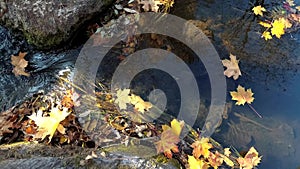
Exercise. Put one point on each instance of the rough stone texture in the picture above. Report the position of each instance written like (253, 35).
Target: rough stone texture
(47, 23)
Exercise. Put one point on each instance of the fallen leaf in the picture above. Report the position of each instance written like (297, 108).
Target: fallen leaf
(19, 64)
(258, 10)
(49, 124)
(122, 98)
(278, 28)
(265, 24)
(196, 163)
(150, 5)
(70, 99)
(169, 138)
(232, 66)
(250, 160)
(242, 96)
(201, 148)
(215, 160)
(290, 2)
(139, 103)
(266, 35)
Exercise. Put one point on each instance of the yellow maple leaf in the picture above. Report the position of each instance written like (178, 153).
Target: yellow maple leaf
(250, 160)
(232, 66)
(242, 96)
(298, 8)
(201, 148)
(139, 103)
(287, 23)
(258, 10)
(266, 35)
(196, 163)
(278, 28)
(48, 125)
(265, 24)
(290, 2)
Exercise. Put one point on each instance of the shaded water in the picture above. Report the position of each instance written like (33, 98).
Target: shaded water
(271, 70)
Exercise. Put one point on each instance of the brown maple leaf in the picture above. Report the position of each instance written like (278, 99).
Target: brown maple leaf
(19, 64)
(150, 5)
(169, 138)
(232, 67)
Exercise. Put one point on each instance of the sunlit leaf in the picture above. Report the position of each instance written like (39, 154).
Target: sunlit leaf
(265, 24)
(150, 5)
(258, 10)
(196, 163)
(242, 96)
(278, 28)
(250, 160)
(122, 98)
(49, 124)
(201, 148)
(139, 103)
(266, 35)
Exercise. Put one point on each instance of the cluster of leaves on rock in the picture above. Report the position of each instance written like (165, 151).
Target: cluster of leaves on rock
(278, 21)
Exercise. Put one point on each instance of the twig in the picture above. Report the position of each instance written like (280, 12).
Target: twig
(252, 108)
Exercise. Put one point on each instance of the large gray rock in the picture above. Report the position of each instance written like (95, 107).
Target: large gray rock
(47, 23)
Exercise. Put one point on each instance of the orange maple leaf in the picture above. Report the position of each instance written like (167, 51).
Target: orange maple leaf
(19, 64)
(242, 96)
(250, 160)
(169, 138)
(201, 148)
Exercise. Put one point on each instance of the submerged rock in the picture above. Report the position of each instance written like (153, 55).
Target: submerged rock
(49, 23)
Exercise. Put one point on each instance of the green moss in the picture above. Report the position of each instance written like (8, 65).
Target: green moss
(40, 40)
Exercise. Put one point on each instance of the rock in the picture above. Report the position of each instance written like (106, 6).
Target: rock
(41, 156)
(48, 23)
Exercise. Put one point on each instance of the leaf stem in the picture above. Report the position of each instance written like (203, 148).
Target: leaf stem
(252, 108)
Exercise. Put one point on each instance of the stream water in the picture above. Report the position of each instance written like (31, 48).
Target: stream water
(270, 69)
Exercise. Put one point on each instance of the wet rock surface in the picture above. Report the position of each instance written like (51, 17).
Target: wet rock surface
(41, 156)
(49, 23)
(42, 66)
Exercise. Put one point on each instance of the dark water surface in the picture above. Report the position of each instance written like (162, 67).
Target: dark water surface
(271, 70)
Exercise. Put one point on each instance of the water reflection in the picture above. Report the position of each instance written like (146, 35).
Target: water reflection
(271, 69)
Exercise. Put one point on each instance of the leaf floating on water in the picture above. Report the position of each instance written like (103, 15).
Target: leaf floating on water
(232, 66)
(150, 5)
(258, 10)
(19, 64)
(242, 96)
(250, 160)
